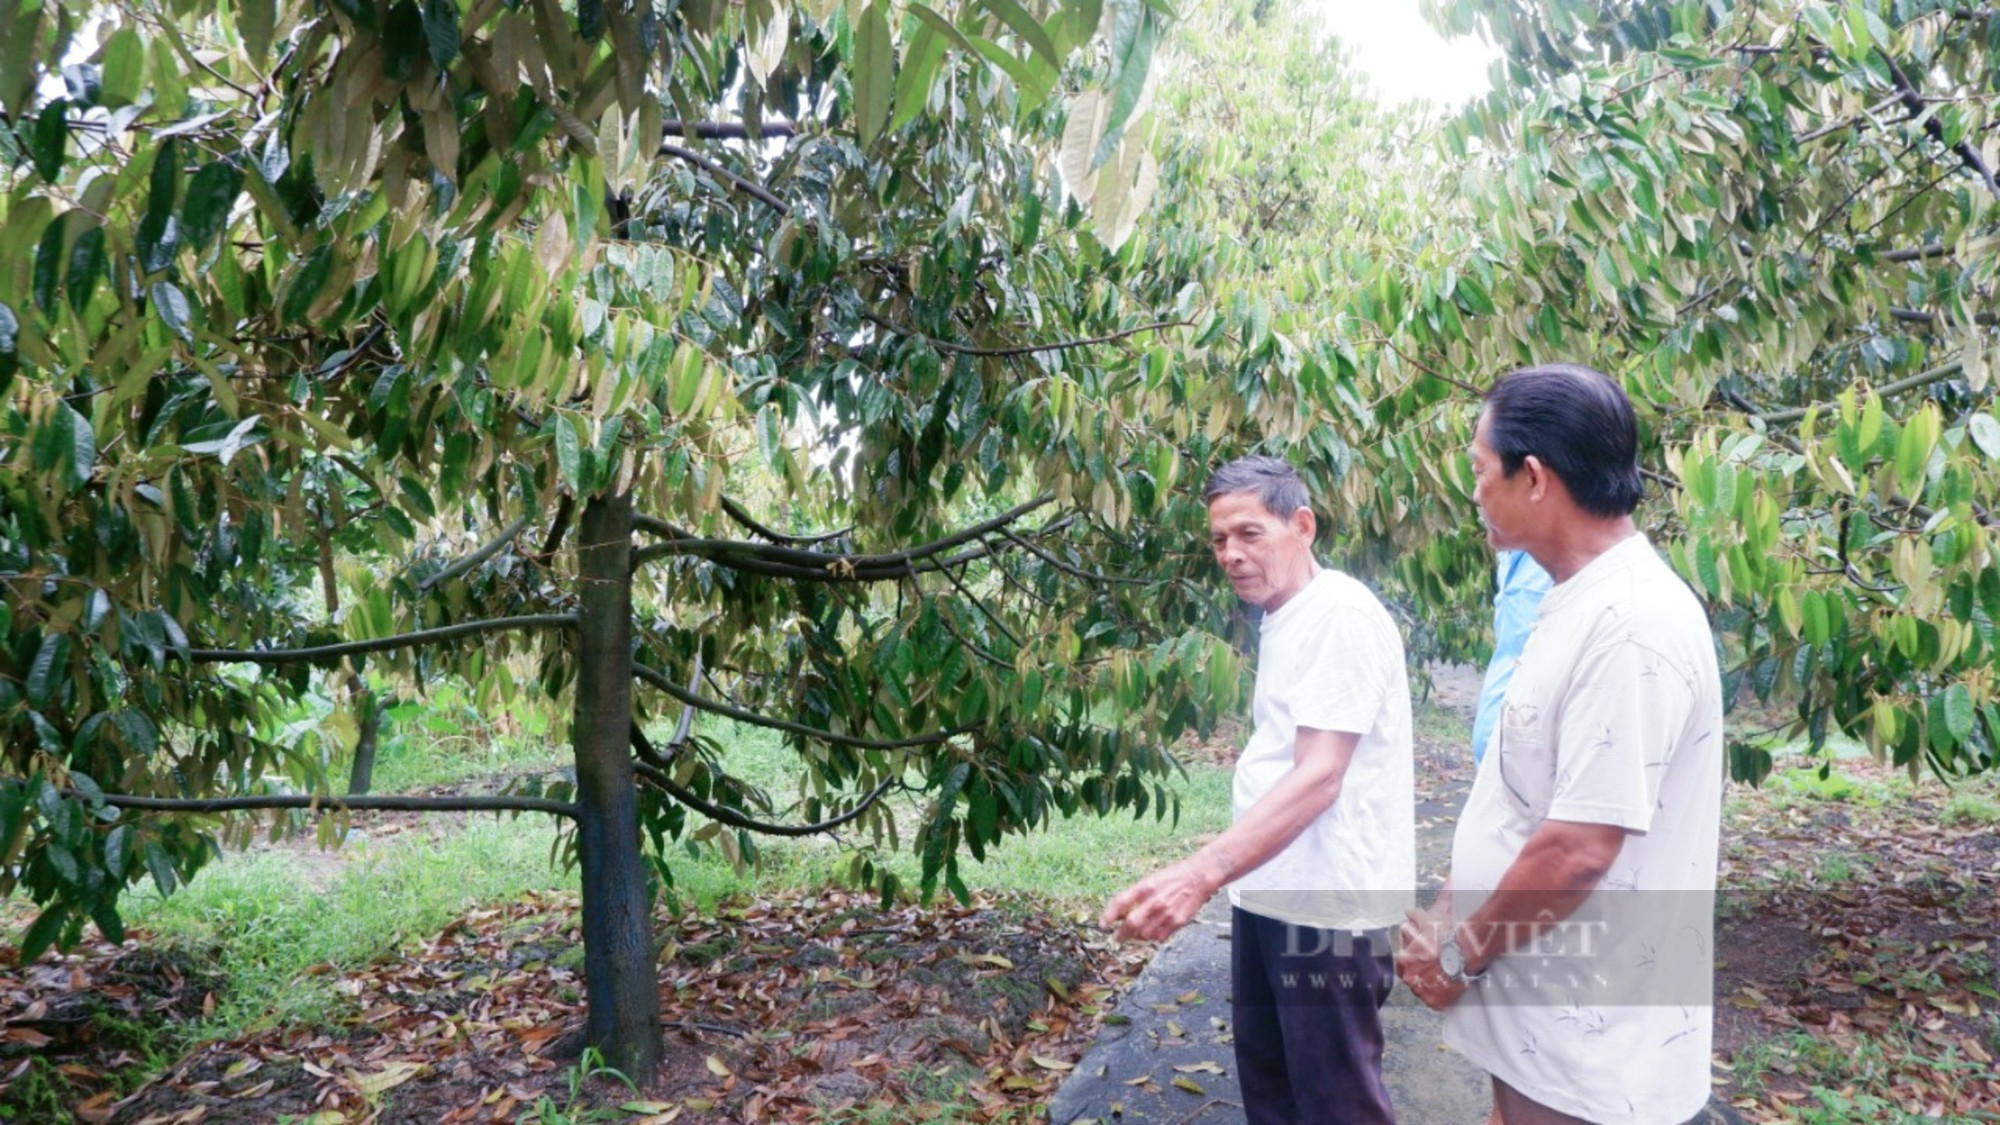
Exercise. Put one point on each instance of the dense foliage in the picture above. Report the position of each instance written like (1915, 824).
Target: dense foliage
(474, 294)
(1776, 223)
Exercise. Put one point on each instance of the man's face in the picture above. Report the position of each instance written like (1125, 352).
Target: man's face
(1502, 500)
(1267, 557)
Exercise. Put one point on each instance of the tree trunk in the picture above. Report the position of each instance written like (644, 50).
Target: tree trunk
(621, 975)
(368, 717)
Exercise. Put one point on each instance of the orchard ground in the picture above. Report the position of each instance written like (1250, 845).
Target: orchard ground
(430, 971)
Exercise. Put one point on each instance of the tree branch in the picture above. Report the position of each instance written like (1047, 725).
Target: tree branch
(653, 525)
(327, 802)
(981, 607)
(1916, 254)
(659, 680)
(1920, 316)
(1073, 571)
(728, 130)
(1913, 100)
(472, 560)
(1019, 349)
(685, 727)
(1922, 378)
(558, 527)
(791, 562)
(750, 188)
(734, 818)
(737, 513)
(378, 644)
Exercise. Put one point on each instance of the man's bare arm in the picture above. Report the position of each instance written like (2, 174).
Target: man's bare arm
(1558, 868)
(1168, 899)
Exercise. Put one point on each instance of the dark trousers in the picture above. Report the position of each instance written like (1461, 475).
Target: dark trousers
(1308, 1011)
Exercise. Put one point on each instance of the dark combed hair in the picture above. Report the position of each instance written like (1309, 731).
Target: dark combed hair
(1275, 484)
(1578, 421)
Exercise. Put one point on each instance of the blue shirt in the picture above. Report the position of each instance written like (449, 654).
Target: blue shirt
(1520, 585)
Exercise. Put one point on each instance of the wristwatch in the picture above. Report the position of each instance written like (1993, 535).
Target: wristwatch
(1451, 959)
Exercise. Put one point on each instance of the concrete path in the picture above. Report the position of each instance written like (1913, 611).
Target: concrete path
(1174, 1062)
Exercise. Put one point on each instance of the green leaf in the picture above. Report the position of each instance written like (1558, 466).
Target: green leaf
(942, 26)
(158, 235)
(1079, 23)
(684, 379)
(1956, 712)
(124, 69)
(913, 81)
(50, 139)
(172, 306)
(307, 283)
(1913, 452)
(46, 671)
(48, 265)
(1134, 34)
(10, 356)
(160, 867)
(81, 448)
(569, 452)
(42, 933)
(86, 265)
(1748, 763)
(1984, 430)
(117, 851)
(210, 195)
(1035, 82)
(416, 497)
(256, 20)
(398, 522)
(457, 458)
(136, 731)
(403, 39)
(65, 440)
(1024, 25)
(105, 914)
(873, 72)
(441, 30)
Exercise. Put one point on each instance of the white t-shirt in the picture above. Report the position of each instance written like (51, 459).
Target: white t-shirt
(1331, 659)
(1614, 716)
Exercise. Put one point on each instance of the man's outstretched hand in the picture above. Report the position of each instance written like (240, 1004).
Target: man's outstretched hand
(1164, 901)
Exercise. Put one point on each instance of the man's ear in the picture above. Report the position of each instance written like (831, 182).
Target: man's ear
(1302, 521)
(1539, 477)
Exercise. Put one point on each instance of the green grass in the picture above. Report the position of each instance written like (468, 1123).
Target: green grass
(1448, 727)
(1968, 809)
(442, 739)
(271, 924)
(1844, 1083)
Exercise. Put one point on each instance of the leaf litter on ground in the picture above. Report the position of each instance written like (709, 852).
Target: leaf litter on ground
(1856, 945)
(793, 1008)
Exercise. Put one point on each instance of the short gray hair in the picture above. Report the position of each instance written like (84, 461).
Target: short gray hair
(1275, 484)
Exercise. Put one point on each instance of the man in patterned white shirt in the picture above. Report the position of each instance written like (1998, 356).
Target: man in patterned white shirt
(1572, 946)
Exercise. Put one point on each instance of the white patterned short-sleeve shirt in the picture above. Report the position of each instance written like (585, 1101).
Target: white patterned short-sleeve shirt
(1614, 716)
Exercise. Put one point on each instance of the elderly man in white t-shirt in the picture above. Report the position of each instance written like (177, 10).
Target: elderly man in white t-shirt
(1321, 860)
(1572, 947)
